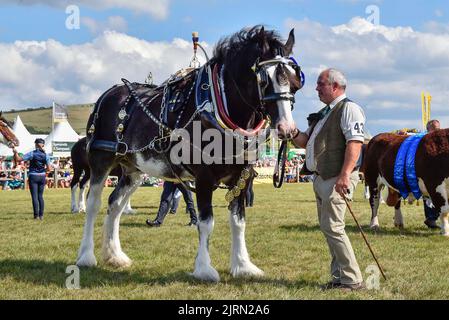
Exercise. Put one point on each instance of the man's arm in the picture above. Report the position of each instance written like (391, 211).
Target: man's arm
(300, 139)
(352, 154)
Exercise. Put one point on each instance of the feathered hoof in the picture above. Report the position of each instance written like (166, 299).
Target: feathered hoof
(246, 270)
(86, 260)
(375, 228)
(208, 274)
(129, 211)
(118, 261)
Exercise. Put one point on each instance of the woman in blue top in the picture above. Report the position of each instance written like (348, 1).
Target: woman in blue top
(39, 163)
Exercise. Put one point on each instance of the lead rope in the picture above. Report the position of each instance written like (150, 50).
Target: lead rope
(282, 158)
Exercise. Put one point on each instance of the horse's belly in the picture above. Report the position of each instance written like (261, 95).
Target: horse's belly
(160, 169)
(153, 167)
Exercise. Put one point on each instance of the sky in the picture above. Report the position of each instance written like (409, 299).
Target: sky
(390, 50)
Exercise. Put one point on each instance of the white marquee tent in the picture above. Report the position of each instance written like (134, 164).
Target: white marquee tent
(60, 141)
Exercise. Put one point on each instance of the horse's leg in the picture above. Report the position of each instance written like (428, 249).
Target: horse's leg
(367, 194)
(82, 194)
(128, 209)
(375, 193)
(203, 269)
(398, 218)
(74, 187)
(86, 255)
(112, 250)
(240, 262)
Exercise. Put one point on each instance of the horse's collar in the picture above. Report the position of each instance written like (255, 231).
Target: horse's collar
(211, 98)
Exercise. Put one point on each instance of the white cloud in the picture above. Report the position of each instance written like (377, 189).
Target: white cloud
(113, 23)
(158, 9)
(387, 69)
(38, 72)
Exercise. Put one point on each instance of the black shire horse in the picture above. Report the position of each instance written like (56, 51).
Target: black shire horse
(81, 168)
(249, 81)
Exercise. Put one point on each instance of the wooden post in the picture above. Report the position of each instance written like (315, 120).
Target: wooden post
(55, 178)
(297, 172)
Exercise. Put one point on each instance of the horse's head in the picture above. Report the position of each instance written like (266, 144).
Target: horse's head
(260, 64)
(7, 136)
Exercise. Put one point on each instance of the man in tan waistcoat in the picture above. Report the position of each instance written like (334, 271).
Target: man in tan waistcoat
(333, 144)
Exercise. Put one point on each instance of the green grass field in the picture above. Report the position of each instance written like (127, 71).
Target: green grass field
(282, 237)
(39, 120)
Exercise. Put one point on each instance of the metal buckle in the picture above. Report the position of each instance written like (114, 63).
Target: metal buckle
(118, 152)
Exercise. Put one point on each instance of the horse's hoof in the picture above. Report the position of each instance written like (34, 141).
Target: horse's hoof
(86, 260)
(400, 226)
(119, 261)
(130, 211)
(208, 274)
(375, 228)
(246, 270)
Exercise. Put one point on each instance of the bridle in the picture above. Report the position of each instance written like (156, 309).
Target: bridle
(263, 81)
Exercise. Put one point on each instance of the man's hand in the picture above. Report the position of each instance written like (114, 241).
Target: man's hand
(299, 139)
(343, 184)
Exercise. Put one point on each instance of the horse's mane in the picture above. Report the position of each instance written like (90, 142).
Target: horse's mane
(229, 47)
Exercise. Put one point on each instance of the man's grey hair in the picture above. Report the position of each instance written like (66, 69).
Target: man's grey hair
(336, 76)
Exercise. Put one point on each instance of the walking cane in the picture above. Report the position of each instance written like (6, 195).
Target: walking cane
(364, 237)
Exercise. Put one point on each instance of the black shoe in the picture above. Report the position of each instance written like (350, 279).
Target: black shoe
(432, 224)
(153, 223)
(35, 217)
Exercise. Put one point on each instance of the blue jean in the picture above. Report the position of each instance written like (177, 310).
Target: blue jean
(37, 186)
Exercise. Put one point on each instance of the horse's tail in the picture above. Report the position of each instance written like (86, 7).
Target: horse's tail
(92, 122)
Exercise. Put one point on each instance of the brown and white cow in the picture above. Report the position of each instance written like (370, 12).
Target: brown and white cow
(432, 171)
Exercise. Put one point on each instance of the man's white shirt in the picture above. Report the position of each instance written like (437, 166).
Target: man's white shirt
(352, 125)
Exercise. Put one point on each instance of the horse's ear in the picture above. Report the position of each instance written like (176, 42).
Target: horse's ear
(263, 41)
(288, 48)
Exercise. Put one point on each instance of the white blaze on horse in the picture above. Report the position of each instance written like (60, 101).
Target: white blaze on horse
(250, 82)
(81, 169)
(421, 169)
(7, 136)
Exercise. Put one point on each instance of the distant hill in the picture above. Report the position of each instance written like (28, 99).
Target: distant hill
(38, 121)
